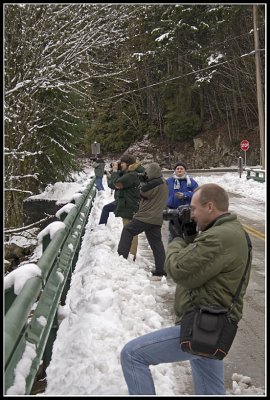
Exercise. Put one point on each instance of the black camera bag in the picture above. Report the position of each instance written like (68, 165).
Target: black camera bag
(207, 331)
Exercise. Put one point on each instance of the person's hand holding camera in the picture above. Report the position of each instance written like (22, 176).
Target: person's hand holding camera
(188, 226)
(189, 231)
(142, 176)
(115, 166)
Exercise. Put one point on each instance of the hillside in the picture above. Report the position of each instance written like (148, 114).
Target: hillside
(210, 148)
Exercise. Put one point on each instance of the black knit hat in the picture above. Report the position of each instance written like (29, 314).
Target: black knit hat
(180, 163)
(127, 159)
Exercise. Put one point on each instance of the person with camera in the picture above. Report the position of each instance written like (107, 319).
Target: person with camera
(99, 165)
(149, 217)
(207, 261)
(110, 207)
(126, 182)
(181, 187)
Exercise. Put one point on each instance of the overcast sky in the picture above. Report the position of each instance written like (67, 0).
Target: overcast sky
(112, 300)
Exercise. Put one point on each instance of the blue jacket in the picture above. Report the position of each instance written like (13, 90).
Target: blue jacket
(184, 188)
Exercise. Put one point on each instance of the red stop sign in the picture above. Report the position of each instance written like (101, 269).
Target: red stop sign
(244, 145)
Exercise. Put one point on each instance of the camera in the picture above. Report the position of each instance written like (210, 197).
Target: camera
(142, 176)
(182, 213)
(181, 221)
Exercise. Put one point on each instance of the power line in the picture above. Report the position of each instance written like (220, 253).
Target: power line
(187, 20)
(177, 77)
(203, 49)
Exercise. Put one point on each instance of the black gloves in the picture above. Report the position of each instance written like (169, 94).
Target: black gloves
(176, 227)
(180, 223)
(189, 231)
(190, 228)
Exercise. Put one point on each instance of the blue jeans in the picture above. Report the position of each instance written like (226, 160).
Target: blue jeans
(99, 184)
(162, 346)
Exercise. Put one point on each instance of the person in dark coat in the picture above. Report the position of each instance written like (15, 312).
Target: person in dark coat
(99, 166)
(126, 182)
(181, 187)
(149, 217)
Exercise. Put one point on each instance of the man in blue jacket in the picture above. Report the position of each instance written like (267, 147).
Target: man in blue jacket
(181, 187)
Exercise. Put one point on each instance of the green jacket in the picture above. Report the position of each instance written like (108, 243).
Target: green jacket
(99, 166)
(127, 201)
(209, 270)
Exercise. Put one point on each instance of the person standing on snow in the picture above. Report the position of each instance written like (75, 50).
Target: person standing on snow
(126, 182)
(99, 166)
(109, 207)
(181, 187)
(149, 217)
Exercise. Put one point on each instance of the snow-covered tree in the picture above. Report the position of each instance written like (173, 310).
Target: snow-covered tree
(52, 53)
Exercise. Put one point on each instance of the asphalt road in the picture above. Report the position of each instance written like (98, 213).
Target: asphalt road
(247, 354)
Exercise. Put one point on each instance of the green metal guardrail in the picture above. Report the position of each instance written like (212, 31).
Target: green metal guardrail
(256, 175)
(57, 264)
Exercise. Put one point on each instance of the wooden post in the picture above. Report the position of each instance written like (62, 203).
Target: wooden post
(259, 85)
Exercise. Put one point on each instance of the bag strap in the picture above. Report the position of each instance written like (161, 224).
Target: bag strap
(237, 293)
(238, 290)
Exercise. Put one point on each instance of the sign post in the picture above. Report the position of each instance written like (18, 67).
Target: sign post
(244, 145)
(95, 148)
(240, 165)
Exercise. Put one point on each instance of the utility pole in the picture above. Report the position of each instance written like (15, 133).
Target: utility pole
(259, 84)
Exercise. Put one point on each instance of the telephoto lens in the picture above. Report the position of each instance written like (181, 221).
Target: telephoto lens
(170, 214)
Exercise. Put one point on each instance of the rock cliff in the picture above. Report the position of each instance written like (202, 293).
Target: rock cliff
(209, 149)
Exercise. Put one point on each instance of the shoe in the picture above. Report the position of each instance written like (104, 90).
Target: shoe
(156, 273)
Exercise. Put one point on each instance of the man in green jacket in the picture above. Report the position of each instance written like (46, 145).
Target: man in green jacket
(207, 268)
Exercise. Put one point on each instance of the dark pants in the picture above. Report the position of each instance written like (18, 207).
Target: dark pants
(153, 235)
(110, 207)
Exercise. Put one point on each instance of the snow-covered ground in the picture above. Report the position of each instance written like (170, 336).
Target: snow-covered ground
(112, 300)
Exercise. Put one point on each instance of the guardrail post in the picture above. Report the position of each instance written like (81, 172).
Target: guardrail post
(47, 355)
(63, 216)
(10, 296)
(45, 242)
